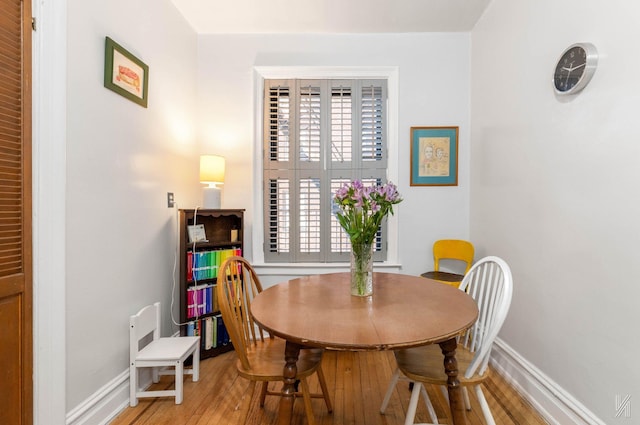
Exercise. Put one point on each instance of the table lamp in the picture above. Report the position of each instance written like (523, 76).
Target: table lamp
(211, 174)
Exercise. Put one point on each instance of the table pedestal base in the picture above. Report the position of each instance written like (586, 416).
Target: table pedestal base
(456, 404)
(291, 354)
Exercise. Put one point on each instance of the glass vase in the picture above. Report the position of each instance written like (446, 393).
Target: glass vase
(362, 269)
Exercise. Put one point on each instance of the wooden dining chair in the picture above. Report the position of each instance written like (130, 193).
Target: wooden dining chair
(460, 251)
(260, 357)
(490, 284)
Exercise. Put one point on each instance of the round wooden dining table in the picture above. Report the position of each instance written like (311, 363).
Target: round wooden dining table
(404, 311)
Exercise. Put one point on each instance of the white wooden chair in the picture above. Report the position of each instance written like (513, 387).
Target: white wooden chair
(159, 353)
(490, 284)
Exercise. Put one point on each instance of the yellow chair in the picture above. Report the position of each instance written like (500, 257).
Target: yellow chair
(450, 249)
(261, 359)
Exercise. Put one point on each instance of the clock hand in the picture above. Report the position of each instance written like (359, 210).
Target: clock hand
(566, 81)
(573, 68)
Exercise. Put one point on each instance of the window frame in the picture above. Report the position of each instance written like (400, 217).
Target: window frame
(265, 73)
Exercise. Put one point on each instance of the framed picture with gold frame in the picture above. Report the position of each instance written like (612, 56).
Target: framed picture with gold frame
(125, 74)
(434, 156)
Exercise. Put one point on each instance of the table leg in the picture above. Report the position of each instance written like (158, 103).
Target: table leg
(285, 412)
(453, 385)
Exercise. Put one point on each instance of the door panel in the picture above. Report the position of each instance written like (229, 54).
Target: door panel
(16, 347)
(9, 355)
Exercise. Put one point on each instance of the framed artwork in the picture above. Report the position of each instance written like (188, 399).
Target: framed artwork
(434, 156)
(124, 73)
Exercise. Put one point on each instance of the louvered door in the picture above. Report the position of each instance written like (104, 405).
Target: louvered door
(16, 351)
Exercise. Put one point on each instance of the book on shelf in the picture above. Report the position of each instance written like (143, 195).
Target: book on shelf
(201, 300)
(193, 328)
(212, 332)
(202, 265)
(223, 335)
(208, 340)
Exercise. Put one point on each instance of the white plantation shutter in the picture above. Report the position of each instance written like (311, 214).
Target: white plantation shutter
(341, 124)
(309, 123)
(318, 135)
(278, 231)
(372, 123)
(277, 112)
(309, 216)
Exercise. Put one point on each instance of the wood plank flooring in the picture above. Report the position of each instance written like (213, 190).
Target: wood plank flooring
(357, 382)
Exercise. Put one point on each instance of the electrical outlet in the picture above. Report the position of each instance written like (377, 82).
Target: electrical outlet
(170, 200)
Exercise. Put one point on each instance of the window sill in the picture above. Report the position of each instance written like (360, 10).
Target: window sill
(301, 269)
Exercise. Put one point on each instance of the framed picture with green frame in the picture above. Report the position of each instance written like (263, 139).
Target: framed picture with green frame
(125, 74)
(434, 156)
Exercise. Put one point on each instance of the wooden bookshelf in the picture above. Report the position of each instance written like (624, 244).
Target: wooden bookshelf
(224, 232)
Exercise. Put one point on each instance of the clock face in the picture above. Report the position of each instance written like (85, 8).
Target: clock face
(575, 68)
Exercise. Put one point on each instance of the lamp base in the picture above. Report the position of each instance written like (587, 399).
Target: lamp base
(211, 198)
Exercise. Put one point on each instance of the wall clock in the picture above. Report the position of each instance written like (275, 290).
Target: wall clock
(574, 69)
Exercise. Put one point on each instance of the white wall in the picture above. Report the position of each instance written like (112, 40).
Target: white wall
(122, 159)
(433, 91)
(554, 190)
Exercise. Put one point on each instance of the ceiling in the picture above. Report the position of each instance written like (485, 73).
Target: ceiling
(330, 16)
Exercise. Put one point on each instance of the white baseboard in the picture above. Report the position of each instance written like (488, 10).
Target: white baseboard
(553, 403)
(104, 405)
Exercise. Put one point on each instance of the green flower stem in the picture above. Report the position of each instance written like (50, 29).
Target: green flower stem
(360, 271)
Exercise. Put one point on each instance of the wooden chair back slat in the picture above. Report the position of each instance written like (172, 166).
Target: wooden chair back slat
(237, 286)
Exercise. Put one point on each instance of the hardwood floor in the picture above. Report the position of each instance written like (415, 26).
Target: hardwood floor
(357, 382)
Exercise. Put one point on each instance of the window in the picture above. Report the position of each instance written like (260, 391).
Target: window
(318, 135)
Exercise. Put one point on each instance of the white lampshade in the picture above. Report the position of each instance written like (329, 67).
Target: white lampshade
(211, 169)
(212, 174)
